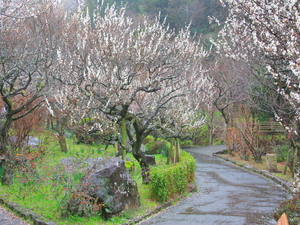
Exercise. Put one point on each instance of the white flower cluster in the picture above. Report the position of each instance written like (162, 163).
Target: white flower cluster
(266, 32)
(137, 68)
(269, 29)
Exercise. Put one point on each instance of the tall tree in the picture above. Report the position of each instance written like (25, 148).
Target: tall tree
(231, 86)
(130, 72)
(28, 37)
(268, 31)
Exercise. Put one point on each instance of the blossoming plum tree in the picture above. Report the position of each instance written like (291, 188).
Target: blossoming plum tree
(268, 30)
(129, 72)
(181, 115)
(27, 50)
(267, 33)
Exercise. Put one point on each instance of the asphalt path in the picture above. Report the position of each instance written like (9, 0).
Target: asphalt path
(227, 194)
(8, 218)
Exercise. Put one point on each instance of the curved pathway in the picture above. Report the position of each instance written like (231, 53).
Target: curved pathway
(227, 195)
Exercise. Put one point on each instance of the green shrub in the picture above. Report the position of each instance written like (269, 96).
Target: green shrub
(186, 143)
(204, 135)
(282, 152)
(200, 135)
(155, 146)
(148, 140)
(170, 181)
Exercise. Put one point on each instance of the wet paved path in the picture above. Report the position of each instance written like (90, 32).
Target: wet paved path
(227, 195)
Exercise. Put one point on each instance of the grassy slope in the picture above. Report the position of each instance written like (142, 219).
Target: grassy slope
(45, 193)
(262, 166)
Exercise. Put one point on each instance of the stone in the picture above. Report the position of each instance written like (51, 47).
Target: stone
(271, 162)
(72, 165)
(33, 141)
(192, 187)
(150, 159)
(29, 141)
(107, 187)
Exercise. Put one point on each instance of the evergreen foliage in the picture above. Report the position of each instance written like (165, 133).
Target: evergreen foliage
(178, 13)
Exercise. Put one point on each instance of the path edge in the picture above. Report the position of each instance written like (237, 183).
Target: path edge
(288, 186)
(24, 213)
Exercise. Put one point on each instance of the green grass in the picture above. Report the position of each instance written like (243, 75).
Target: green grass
(262, 166)
(45, 188)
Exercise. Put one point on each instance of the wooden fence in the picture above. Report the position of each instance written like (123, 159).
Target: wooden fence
(270, 127)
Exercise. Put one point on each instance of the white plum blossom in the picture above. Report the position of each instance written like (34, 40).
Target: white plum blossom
(267, 33)
(129, 71)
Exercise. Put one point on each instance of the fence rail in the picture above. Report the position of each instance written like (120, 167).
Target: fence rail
(271, 127)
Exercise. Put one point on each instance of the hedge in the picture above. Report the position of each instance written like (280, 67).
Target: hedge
(171, 180)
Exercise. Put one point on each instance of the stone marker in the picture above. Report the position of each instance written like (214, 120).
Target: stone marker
(271, 161)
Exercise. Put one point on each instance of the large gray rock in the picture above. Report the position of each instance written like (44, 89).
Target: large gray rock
(108, 188)
(150, 159)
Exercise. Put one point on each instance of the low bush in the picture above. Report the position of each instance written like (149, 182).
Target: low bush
(292, 209)
(186, 143)
(169, 181)
(200, 135)
(155, 146)
(282, 152)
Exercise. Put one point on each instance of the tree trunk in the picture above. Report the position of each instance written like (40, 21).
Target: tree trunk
(62, 141)
(9, 167)
(60, 129)
(4, 128)
(124, 139)
(211, 128)
(287, 162)
(140, 157)
(3, 141)
(170, 154)
(137, 140)
(295, 161)
(210, 141)
(7, 151)
(177, 142)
